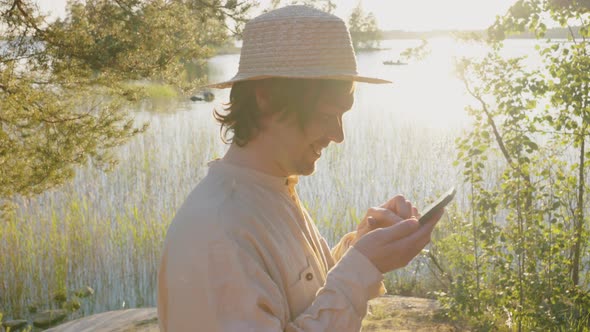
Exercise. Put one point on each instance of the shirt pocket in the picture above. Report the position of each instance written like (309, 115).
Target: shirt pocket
(301, 292)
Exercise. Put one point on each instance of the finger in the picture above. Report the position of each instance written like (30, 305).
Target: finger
(406, 210)
(402, 229)
(399, 205)
(415, 212)
(384, 217)
(394, 203)
(422, 237)
(373, 223)
(412, 244)
(416, 241)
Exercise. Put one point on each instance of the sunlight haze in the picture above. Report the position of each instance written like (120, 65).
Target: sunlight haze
(429, 14)
(396, 14)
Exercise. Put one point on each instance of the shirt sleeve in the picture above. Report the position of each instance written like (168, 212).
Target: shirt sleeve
(234, 292)
(342, 246)
(341, 304)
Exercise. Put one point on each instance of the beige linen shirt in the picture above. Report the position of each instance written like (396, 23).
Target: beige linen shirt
(242, 254)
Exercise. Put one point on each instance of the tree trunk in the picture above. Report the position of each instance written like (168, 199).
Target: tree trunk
(579, 215)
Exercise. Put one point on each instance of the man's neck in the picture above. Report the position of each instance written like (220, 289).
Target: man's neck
(254, 156)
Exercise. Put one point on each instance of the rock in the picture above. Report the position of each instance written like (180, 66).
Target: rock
(49, 318)
(408, 306)
(208, 96)
(15, 325)
(136, 320)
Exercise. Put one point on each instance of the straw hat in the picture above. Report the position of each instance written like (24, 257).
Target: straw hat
(297, 42)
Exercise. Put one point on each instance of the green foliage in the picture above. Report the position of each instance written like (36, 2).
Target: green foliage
(364, 30)
(419, 52)
(64, 84)
(515, 259)
(155, 91)
(93, 231)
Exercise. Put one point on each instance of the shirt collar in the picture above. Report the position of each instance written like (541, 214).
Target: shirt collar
(249, 175)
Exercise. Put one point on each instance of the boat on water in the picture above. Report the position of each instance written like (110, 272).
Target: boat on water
(395, 63)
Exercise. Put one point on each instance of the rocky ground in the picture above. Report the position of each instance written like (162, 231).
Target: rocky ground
(400, 313)
(387, 313)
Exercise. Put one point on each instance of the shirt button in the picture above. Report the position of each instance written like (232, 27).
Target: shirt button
(309, 276)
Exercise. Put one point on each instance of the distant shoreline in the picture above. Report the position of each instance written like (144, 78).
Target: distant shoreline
(554, 33)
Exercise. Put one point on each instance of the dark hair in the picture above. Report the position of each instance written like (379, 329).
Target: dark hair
(287, 96)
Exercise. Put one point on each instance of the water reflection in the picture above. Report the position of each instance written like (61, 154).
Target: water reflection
(424, 93)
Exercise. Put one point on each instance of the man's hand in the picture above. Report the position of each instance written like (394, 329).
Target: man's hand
(395, 246)
(388, 214)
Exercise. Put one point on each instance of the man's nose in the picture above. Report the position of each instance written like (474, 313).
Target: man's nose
(336, 133)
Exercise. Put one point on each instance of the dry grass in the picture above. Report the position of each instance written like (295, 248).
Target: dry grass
(398, 313)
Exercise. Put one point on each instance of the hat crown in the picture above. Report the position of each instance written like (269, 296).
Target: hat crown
(297, 41)
(293, 12)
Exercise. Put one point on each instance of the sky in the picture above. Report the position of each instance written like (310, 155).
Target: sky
(409, 15)
(417, 15)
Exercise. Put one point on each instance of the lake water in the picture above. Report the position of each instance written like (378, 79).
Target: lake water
(416, 118)
(105, 230)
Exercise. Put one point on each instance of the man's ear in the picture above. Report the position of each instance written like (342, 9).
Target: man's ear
(263, 97)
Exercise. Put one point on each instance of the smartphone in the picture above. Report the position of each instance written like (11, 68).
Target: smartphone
(440, 203)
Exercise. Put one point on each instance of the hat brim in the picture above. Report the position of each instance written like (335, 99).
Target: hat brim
(355, 78)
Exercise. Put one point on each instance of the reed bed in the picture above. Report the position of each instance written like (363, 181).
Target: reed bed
(105, 230)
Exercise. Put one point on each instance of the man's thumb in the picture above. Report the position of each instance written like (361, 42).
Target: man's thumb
(402, 229)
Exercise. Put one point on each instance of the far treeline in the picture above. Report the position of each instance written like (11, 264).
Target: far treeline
(553, 33)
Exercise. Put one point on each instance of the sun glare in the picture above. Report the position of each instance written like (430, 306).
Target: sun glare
(422, 15)
(417, 15)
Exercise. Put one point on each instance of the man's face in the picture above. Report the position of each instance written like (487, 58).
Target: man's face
(296, 150)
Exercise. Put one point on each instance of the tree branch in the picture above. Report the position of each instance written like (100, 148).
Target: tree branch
(497, 135)
(573, 34)
(439, 267)
(499, 139)
(27, 17)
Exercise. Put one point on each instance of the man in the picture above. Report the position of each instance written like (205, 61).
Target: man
(242, 253)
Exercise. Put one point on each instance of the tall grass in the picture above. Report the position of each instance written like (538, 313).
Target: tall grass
(105, 230)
